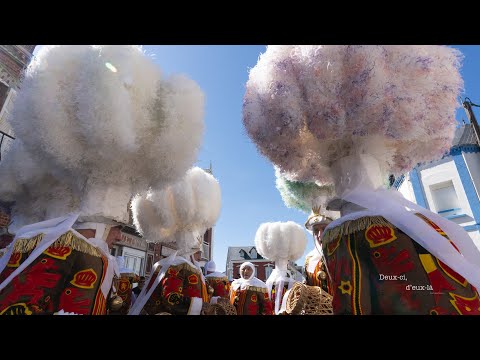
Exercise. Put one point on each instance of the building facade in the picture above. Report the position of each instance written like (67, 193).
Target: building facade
(13, 61)
(130, 245)
(140, 255)
(263, 267)
(450, 186)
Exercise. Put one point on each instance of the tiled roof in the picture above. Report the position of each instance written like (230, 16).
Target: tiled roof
(236, 253)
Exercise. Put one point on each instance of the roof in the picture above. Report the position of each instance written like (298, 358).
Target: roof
(242, 253)
(131, 230)
(464, 135)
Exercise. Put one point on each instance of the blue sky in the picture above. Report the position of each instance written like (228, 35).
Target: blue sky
(247, 180)
(471, 76)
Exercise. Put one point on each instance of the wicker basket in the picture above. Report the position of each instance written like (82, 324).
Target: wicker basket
(308, 300)
(224, 308)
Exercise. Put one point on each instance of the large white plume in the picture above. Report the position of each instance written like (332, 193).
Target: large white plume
(105, 123)
(280, 240)
(305, 107)
(37, 193)
(192, 205)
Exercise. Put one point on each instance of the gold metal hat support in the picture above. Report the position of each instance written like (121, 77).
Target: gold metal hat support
(316, 210)
(322, 219)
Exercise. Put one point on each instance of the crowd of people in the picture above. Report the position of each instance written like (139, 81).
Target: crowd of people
(335, 121)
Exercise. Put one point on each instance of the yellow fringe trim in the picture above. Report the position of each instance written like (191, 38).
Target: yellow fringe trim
(220, 278)
(256, 289)
(352, 226)
(23, 245)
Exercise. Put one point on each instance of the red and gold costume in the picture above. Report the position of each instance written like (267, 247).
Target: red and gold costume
(124, 290)
(219, 284)
(179, 291)
(251, 301)
(250, 296)
(67, 276)
(124, 285)
(274, 292)
(278, 283)
(377, 269)
(315, 271)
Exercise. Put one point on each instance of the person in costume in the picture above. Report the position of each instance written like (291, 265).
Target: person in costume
(315, 269)
(249, 294)
(310, 196)
(51, 267)
(123, 285)
(217, 282)
(136, 290)
(389, 260)
(348, 116)
(280, 242)
(83, 118)
(178, 215)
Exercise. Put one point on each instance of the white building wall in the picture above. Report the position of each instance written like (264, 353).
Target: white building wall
(473, 165)
(406, 189)
(446, 171)
(134, 259)
(475, 235)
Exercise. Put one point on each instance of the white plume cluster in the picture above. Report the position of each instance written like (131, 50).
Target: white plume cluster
(95, 125)
(192, 205)
(305, 107)
(280, 240)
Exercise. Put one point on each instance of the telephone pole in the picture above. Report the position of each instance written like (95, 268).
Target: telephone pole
(467, 105)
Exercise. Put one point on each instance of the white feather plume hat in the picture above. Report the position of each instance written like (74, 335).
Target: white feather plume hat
(96, 111)
(280, 241)
(179, 213)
